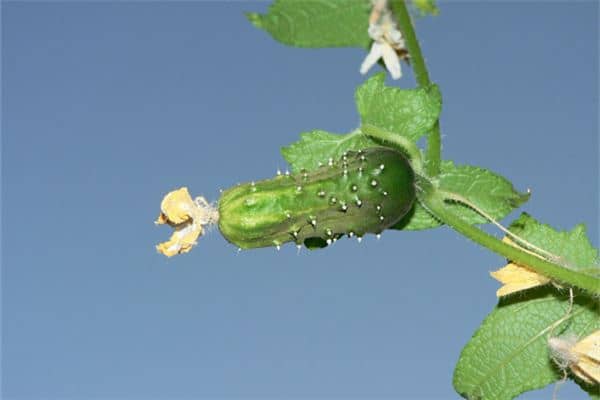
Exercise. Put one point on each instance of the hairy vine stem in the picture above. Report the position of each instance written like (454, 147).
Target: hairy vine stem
(435, 204)
(434, 144)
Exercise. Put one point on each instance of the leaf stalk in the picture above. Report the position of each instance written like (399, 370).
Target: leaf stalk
(405, 145)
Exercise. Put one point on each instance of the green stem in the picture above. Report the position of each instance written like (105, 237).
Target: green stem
(412, 44)
(434, 147)
(434, 150)
(434, 203)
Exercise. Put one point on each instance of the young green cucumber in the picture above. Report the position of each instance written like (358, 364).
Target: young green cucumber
(363, 192)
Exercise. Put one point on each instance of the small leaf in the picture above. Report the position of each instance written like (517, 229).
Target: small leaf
(317, 23)
(426, 7)
(509, 353)
(318, 146)
(417, 219)
(491, 192)
(409, 112)
(579, 251)
(574, 248)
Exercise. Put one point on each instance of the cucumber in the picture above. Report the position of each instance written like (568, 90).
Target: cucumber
(363, 192)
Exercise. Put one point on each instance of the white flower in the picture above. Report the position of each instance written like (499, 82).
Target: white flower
(387, 39)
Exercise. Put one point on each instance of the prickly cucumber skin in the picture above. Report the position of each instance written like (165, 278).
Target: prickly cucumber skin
(362, 192)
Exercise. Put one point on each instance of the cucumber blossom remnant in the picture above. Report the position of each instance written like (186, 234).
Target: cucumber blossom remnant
(363, 192)
(187, 217)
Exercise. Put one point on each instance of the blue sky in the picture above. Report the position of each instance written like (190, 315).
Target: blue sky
(106, 106)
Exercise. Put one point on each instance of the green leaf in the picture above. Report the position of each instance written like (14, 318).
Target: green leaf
(317, 23)
(491, 192)
(426, 7)
(318, 146)
(409, 112)
(574, 247)
(509, 355)
(417, 219)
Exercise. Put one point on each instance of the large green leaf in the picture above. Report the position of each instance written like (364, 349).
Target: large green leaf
(408, 112)
(317, 23)
(490, 192)
(509, 354)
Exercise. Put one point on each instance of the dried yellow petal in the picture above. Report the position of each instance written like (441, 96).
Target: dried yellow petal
(582, 357)
(515, 277)
(181, 241)
(176, 207)
(187, 217)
